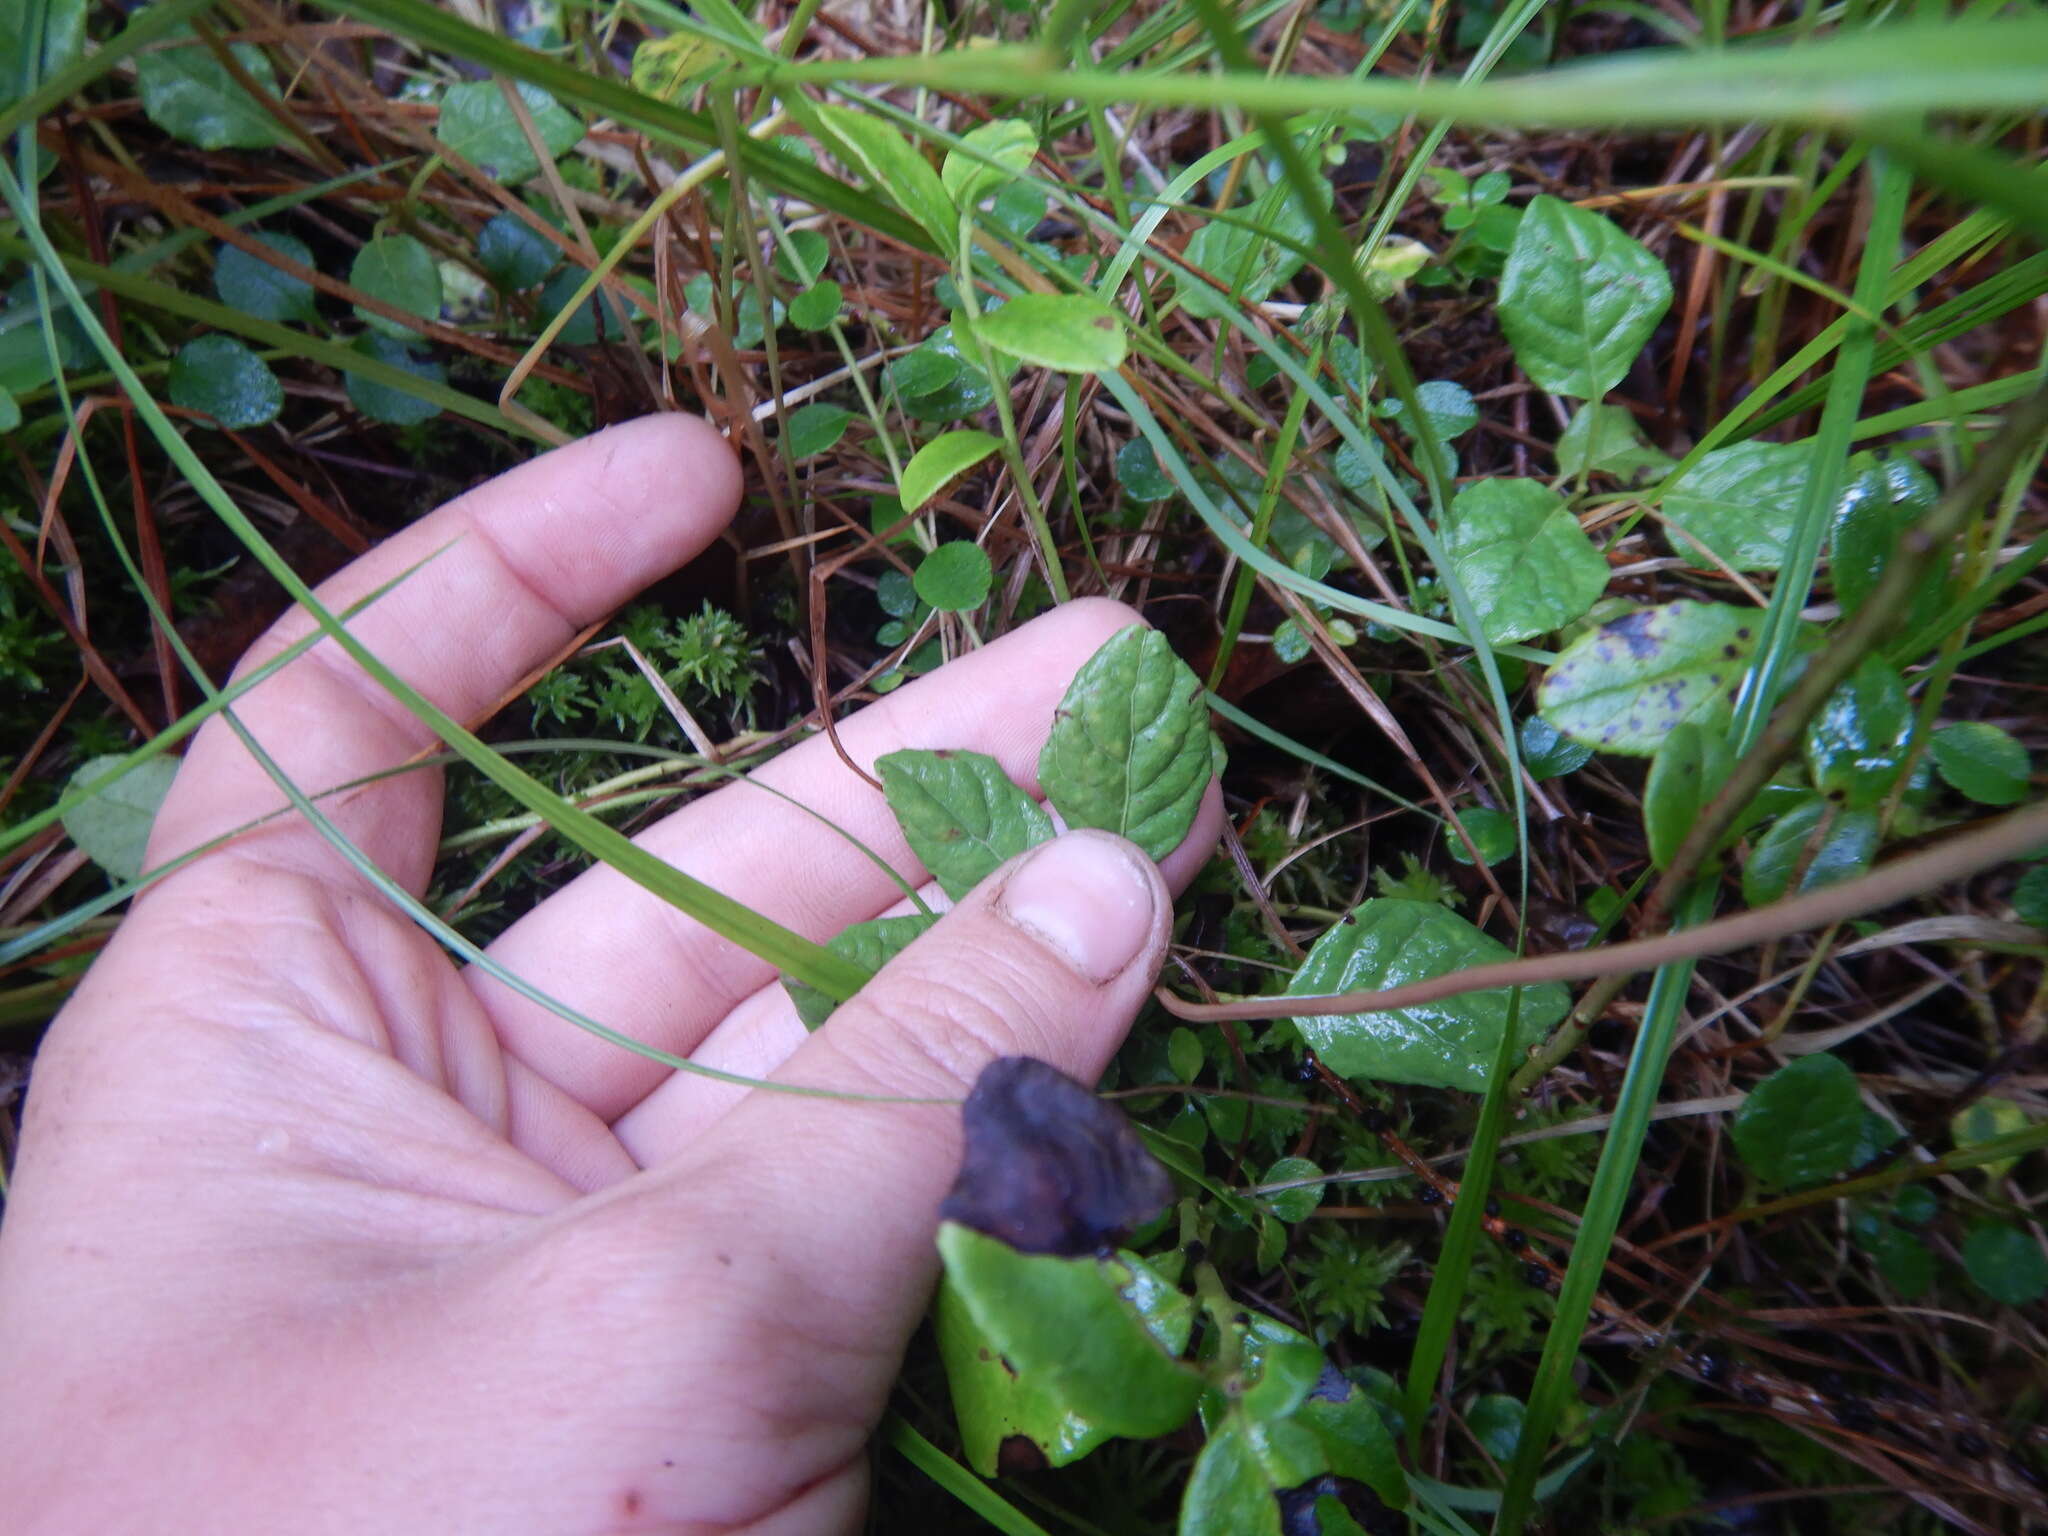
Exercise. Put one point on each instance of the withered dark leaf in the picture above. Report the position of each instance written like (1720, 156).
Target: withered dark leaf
(1049, 1167)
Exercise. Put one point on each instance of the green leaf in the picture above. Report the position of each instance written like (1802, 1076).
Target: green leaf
(1605, 438)
(1985, 1120)
(1242, 255)
(588, 323)
(1185, 1055)
(10, 411)
(994, 1403)
(1072, 1328)
(817, 306)
(960, 813)
(872, 944)
(478, 124)
(1129, 749)
(894, 169)
(189, 94)
(1578, 299)
(1880, 500)
(943, 459)
(1066, 332)
(1008, 141)
(1624, 686)
(1742, 503)
(1492, 833)
(1292, 1205)
(1801, 1124)
(112, 825)
(255, 287)
(1496, 1423)
(811, 429)
(802, 257)
(1840, 850)
(514, 255)
(1138, 472)
(1856, 745)
(1236, 1485)
(222, 377)
(1388, 942)
(963, 389)
(1685, 775)
(2006, 1264)
(401, 271)
(382, 402)
(1905, 1262)
(2030, 897)
(1523, 558)
(667, 67)
(1547, 753)
(955, 577)
(1448, 405)
(1982, 762)
(63, 46)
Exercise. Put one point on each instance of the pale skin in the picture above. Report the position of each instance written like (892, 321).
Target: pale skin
(313, 1230)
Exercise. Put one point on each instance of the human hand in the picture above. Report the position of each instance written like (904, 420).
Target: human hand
(312, 1230)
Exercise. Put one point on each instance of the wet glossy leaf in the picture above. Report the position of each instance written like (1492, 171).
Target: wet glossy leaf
(1292, 1205)
(399, 270)
(944, 459)
(1496, 1423)
(872, 944)
(383, 402)
(112, 826)
(2030, 897)
(1830, 843)
(2006, 1264)
(955, 577)
(1982, 762)
(1880, 500)
(1066, 332)
(1685, 775)
(255, 287)
(478, 124)
(1606, 438)
(1624, 686)
(893, 590)
(923, 369)
(1067, 1326)
(813, 428)
(1547, 753)
(1578, 299)
(1448, 405)
(1387, 942)
(1138, 472)
(960, 814)
(1129, 749)
(1242, 254)
(513, 255)
(1522, 557)
(222, 377)
(1856, 745)
(997, 1408)
(1986, 1120)
(894, 168)
(189, 94)
(1741, 503)
(962, 391)
(817, 306)
(1492, 832)
(1801, 1124)
(968, 178)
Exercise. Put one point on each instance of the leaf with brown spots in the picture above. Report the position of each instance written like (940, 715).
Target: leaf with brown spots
(1625, 686)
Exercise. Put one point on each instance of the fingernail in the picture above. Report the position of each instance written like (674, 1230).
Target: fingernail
(1085, 896)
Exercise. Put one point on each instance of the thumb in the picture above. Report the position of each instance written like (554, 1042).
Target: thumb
(1051, 957)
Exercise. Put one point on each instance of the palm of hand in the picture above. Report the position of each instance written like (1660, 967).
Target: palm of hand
(313, 1228)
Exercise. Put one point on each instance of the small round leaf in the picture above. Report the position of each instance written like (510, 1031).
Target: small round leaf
(955, 577)
(1982, 762)
(813, 428)
(1801, 1124)
(2006, 1264)
(401, 271)
(513, 254)
(255, 287)
(222, 377)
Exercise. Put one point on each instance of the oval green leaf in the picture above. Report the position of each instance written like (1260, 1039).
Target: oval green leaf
(112, 824)
(1299, 1203)
(1685, 775)
(1578, 298)
(1492, 832)
(872, 944)
(1624, 686)
(943, 459)
(1523, 558)
(1742, 503)
(189, 94)
(399, 270)
(255, 287)
(966, 174)
(1066, 332)
(894, 168)
(1856, 746)
(960, 813)
(1880, 500)
(1129, 749)
(817, 306)
(1549, 754)
(955, 577)
(1388, 942)
(811, 429)
(1982, 762)
(2006, 1264)
(512, 254)
(222, 377)
(1801, 1124)
(478, 124)
(1138, 472)
(1829, 843)
(383, 402)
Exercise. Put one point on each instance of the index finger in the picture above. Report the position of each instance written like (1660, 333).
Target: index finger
(492, 584)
